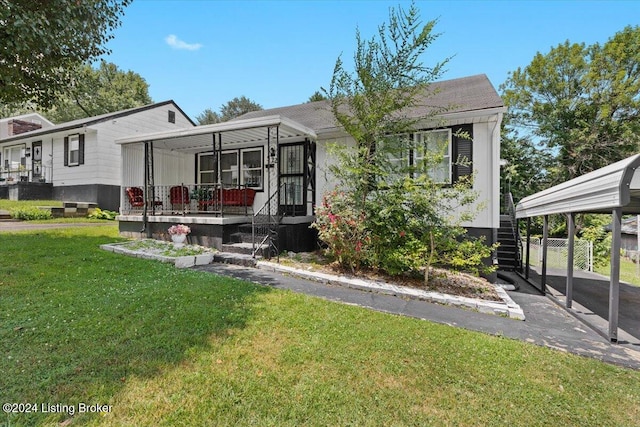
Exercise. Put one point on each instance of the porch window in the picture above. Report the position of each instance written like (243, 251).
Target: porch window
(251, 167)
(206, 169)
(237, 167)
(229, 167)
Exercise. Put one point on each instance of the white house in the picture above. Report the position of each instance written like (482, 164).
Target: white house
(77, 160)
(275, 161)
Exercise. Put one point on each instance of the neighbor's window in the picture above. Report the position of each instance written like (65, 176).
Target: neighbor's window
(74, 150)
(434, 143)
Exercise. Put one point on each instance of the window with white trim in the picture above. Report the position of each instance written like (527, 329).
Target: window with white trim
(74, 150)
(432, 154)
(237, 167)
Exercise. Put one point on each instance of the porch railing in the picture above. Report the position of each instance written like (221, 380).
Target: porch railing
(184, 199)
(9, 176)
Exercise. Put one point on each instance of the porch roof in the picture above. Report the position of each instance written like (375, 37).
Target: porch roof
(600, 191)
(244, 131)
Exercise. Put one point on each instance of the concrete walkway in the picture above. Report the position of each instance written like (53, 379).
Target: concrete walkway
(591, 301)
(546, 324)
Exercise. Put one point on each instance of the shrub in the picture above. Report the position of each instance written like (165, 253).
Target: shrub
(103, 214)
(30, 213)
(343, 229)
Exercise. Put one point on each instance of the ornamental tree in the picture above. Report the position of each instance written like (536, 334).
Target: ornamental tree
(386, 213)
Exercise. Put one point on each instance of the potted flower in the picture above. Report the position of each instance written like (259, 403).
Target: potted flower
(179, 234)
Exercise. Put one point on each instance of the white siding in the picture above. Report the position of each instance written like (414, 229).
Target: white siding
(102, 156)
(486, 157)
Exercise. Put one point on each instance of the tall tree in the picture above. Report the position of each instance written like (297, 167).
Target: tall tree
(317, 96)
(42, 42)
(232, 109)
(389, 79)
(99, 91)
(582, 102)
(237, 107)
(386, 214)
(208, 117)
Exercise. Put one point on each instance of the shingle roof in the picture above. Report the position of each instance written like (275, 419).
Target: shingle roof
(457, 95)
(74, 124)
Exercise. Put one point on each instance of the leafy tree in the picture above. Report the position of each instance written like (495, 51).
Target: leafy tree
(237, 107)
(582, 102)
(317, 96)
(389, 78)
(527, 165)
(385, 214)
(232, 109)
(98, 91)
(208, 117)
(43, 42)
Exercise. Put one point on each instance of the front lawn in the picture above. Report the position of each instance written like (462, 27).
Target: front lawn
(163, 346)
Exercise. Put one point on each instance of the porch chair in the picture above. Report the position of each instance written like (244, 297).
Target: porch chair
(179, 197)
(136, 197)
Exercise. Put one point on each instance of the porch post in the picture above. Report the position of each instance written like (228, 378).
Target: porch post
(571, 230)
(545, 238)
(614, 284)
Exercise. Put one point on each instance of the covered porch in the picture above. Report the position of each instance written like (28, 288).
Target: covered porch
(252, 179)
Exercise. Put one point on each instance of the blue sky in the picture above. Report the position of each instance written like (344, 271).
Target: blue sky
(204, 53)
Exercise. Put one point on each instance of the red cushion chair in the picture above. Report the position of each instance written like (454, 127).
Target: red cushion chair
(179, 197)
(136, 197)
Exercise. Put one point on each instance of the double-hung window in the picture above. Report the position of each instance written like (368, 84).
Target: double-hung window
(74, 150)
(432, 154)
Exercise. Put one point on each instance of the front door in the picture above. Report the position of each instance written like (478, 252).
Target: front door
(291, 180)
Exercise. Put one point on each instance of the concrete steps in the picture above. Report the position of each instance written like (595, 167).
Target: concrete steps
(71, 209)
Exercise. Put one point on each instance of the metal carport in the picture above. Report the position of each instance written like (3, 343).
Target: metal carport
(614, 189)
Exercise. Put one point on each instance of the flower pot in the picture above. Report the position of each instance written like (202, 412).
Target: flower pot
(178, 239)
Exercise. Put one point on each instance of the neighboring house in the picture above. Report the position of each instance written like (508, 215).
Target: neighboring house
(78, 160)
(276, 161)
(628, 235)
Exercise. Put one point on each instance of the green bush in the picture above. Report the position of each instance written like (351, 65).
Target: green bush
(30, 213)
(103, 214)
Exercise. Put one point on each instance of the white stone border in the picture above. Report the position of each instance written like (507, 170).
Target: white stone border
(179, 262)
(507, 307)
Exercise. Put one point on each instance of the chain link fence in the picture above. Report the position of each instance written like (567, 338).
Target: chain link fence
(557, 252)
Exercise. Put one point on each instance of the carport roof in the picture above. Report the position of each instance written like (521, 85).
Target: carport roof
(244, 131)
(600, 191)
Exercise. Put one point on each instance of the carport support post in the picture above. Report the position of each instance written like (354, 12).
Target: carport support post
(571, 230)
(614, 284)
(545, 238)
(527, 261)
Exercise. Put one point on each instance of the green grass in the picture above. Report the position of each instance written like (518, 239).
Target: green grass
(165, 346)
(628, 271)
(7, 205)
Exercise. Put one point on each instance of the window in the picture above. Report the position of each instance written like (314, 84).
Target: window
(432, 154)
(251, 167)
(172, 116)
(74, 150)
(237, 167)
(206, 169)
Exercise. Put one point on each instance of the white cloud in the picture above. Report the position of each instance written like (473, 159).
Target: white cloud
(176, 43)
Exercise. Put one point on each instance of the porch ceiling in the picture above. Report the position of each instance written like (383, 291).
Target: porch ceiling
(237, 132)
